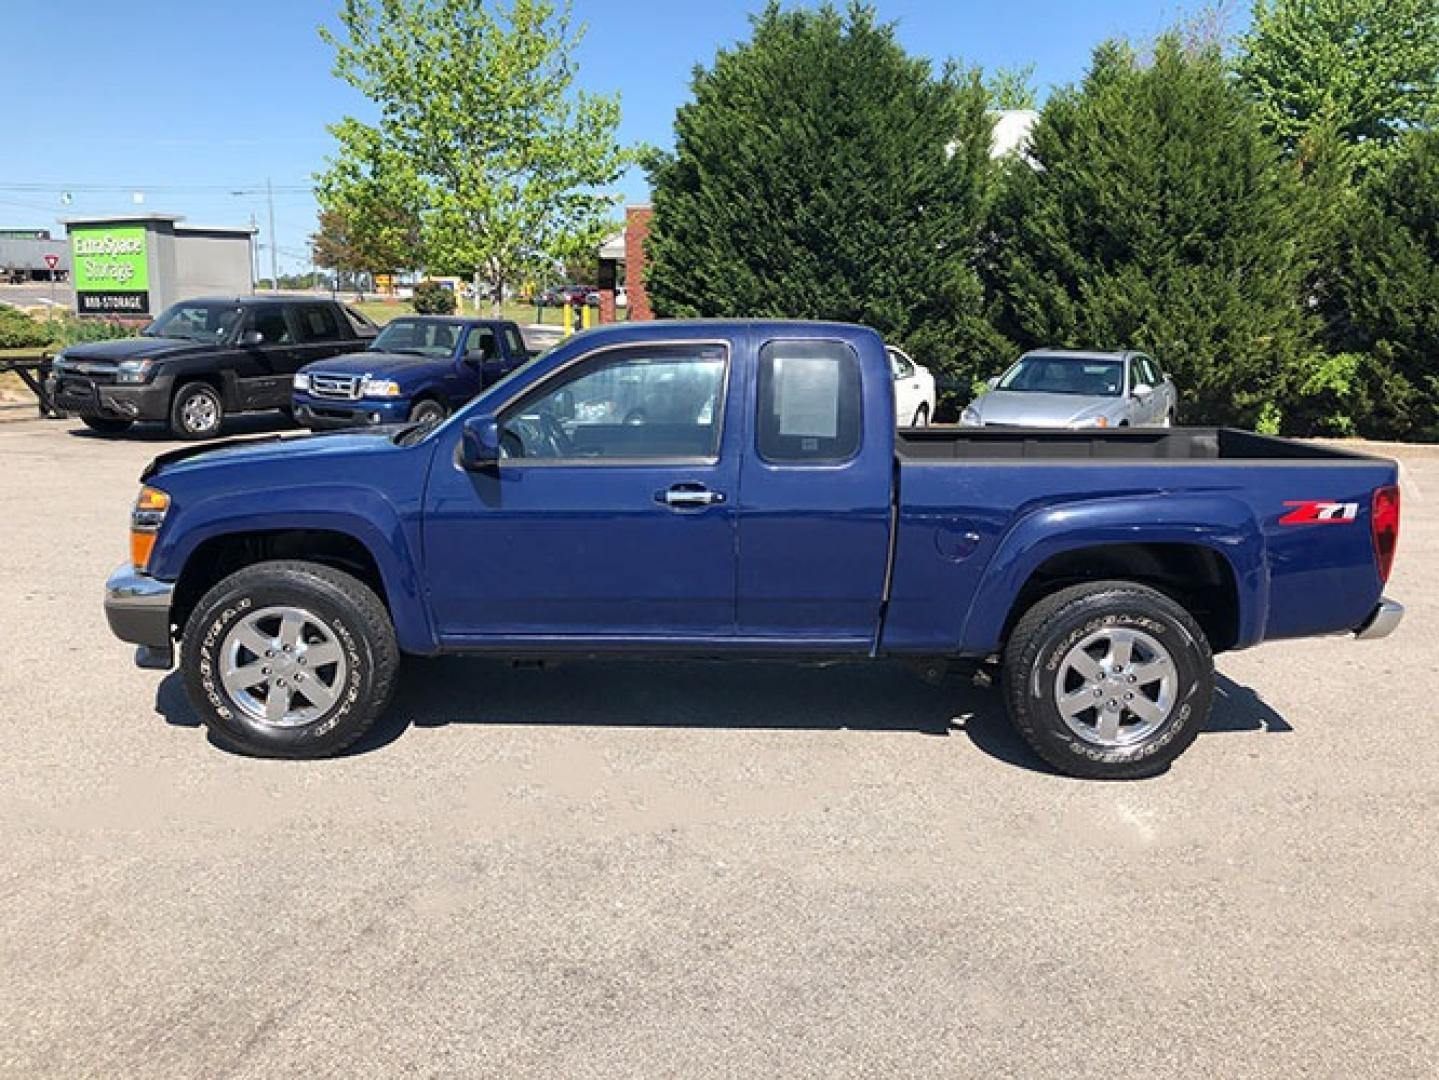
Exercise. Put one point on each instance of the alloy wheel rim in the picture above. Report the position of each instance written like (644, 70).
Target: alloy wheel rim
(1116, 686)
(282, 667)
(199, 412)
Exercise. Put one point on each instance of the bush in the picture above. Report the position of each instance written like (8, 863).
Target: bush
(20, 331)
(72, 330)
(432, 298)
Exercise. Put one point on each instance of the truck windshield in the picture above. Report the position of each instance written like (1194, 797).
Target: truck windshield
(195, 322)
(418, 337)
(1065, 375)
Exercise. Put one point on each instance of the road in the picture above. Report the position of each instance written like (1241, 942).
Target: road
(695, 870)
(38, 294)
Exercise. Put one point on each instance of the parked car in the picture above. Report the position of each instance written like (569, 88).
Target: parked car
(419, 368)
(1077, 389)
(201, 360)
(913, 389)
(766, 506)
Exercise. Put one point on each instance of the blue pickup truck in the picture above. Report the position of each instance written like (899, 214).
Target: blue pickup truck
(419, 368)
(738, 489)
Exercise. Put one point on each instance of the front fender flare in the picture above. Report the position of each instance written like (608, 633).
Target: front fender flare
(358, 512)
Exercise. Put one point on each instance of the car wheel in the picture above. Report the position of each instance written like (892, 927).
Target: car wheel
(1108, 680)
(196, 412)
(428, 411)
(106, 425)
(921, 416)
(289, 659)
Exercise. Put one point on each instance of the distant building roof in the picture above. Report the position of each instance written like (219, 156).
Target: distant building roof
(1012, 128)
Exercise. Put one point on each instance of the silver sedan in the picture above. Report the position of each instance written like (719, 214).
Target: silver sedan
(1064, 388)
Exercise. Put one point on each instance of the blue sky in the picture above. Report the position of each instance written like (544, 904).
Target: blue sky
(195, 103)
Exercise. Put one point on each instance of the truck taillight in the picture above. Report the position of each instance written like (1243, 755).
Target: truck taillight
(1384, 527)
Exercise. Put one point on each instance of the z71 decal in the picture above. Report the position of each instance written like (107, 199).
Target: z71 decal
(1320, 512)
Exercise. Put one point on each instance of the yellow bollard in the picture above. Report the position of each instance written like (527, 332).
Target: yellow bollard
(569, 320)
(587, 319)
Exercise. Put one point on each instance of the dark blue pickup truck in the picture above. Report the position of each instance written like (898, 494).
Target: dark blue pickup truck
(738, 489)
(419, 368)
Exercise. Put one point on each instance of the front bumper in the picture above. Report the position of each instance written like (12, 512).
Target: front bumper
(137, 608)
(87, 397)
(321, 414)
(1382, 621)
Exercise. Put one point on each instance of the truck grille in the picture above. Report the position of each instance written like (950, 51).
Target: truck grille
(336, 387)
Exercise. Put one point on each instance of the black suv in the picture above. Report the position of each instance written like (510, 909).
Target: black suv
(202, 359)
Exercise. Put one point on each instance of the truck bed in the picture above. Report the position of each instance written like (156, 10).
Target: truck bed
(920, 445)
(1036, 495)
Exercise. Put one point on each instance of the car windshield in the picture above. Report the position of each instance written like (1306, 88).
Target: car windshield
(1065, 375)
(195, 322)
(418, 337)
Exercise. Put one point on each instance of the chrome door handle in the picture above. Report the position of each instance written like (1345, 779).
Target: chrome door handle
(686, 497)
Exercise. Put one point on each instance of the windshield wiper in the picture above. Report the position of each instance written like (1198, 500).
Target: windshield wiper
(402, 352)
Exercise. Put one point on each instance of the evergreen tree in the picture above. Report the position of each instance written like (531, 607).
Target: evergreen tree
(1384, 312)
(822, 172)
(1368, 70)
(1153, 213)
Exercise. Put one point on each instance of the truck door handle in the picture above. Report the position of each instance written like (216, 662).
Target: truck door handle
(682, 496)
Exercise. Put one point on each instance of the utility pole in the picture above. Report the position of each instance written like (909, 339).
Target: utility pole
(274, 254)
(254, 252)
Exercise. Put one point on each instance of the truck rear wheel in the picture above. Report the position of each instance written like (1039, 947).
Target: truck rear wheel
(289, 659)
(1109, 680)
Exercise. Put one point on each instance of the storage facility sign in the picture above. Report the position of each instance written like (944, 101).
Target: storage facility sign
(111, 269)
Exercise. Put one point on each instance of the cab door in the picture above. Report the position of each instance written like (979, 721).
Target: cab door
(610, 519)
(267, 357)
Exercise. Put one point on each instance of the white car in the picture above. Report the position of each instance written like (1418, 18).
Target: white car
(913, 389)
(1073, 388)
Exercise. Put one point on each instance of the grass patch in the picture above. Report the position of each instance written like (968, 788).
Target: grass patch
(382, 311)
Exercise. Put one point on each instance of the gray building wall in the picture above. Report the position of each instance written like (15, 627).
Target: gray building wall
(30, 255)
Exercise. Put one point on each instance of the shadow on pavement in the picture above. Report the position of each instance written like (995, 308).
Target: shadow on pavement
(718, 695)
(260, 423)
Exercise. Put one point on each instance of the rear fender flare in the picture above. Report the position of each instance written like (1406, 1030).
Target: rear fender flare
(1218, 522)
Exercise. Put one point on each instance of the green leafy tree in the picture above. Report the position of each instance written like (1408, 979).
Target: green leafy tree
(1366, 69)
(370, 207)
(821, 172)
(1383, 312)
(480, 128)
(1156, 215)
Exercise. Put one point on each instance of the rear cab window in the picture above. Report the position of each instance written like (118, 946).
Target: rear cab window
(317, 322)
(809, 402)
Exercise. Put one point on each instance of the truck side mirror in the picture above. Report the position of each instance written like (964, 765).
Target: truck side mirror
(251, 338)
(480, 443)
(1141, 391)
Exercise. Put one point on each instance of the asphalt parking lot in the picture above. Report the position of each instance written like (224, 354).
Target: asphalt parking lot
(698, 870)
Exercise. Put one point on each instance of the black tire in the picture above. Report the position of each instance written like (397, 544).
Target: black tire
(1035, 662)
(350, 614)
(921, 416)
(105, 425)
(196, 412)
(428, 410)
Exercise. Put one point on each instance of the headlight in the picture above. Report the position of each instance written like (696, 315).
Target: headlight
(133, 371)
(379, 388)
(145, 522)
(969, 417)
(302, 382)
(1093, 421)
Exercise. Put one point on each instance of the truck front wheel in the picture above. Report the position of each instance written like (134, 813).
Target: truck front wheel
(1109, 680)
(289, 659)
(196, 412)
